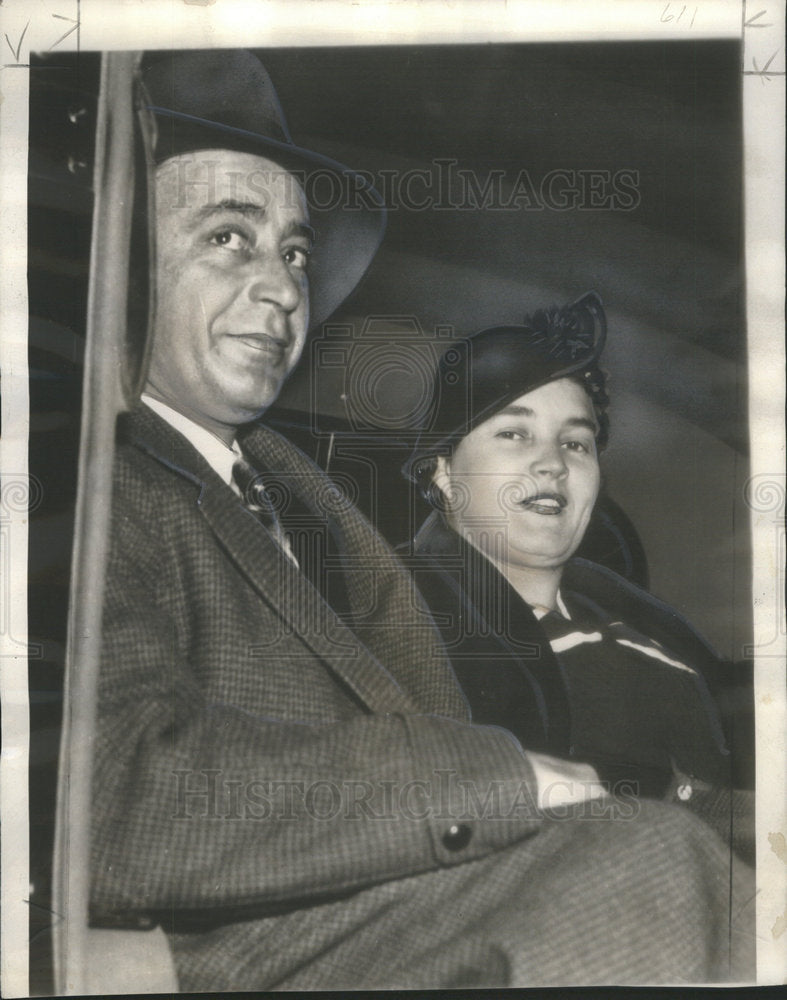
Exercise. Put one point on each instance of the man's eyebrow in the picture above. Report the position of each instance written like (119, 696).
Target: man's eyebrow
(250, 209)
(301, 229)
(245, 208)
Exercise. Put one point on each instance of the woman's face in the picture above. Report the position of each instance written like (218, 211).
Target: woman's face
(521, 486)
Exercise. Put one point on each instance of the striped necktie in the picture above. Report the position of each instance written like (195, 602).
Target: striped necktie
(254, 497)
(257, 500)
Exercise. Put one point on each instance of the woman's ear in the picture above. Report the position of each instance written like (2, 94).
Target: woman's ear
(442, 474)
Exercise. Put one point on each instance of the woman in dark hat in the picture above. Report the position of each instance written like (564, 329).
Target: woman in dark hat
(571, 657)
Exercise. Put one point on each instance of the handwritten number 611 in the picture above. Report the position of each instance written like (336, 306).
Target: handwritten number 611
(666, 16)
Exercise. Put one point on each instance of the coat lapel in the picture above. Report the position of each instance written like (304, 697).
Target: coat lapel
(387, 611)
(356, 661)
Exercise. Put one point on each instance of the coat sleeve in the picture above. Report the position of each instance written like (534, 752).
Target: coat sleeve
(199, 805)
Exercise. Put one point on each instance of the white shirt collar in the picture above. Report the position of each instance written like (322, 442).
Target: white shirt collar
(561, 606)
(218, 455)
(539, 612)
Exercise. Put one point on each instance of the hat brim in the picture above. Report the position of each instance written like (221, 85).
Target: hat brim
(497, 370)
(430, 446)
(349, 222)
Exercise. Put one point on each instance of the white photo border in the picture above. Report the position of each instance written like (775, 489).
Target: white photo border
(70, 25)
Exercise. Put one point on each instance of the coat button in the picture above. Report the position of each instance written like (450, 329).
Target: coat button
(457, 837)
(685, 792)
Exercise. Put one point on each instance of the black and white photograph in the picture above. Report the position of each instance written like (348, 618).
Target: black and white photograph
(392, 498)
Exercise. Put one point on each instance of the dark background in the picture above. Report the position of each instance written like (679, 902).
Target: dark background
(669, 271)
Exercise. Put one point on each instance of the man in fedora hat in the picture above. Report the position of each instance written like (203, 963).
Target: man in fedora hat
(287, 779)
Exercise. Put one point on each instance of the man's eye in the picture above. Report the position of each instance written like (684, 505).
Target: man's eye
(298, 257)
(580, 446)
(510, 435)
(230, 239)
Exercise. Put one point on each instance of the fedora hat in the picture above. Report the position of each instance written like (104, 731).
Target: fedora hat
(482, 374)
(225, 99)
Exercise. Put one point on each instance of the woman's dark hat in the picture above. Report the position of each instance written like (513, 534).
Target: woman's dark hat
(224, 99)
(482, 374)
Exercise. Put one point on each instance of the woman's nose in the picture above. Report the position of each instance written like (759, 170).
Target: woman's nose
(550, 461)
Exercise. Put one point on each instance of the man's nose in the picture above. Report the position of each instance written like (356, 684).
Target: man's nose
(274, 282)
(549, 462)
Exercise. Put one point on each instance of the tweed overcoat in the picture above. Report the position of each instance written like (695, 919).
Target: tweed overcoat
(301, 800)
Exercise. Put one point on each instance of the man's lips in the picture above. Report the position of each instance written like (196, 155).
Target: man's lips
(265, 343)
(545, 503)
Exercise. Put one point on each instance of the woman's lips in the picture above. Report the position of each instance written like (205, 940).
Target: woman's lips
(545, 503)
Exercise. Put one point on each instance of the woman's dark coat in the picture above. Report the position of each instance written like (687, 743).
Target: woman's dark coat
(652, 724)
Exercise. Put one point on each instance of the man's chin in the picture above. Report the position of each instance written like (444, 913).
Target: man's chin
(251, 405)
(248, 414)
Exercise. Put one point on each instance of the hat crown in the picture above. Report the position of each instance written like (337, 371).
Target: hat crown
(229, 88)
(224, 99)
(482, 374)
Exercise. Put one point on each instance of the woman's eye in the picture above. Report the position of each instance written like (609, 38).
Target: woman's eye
(298, 257)
(580, 446)
(230, 239)
(510, 435)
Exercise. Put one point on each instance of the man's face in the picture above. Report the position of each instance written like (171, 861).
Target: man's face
(232, 312)
(529, 476)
